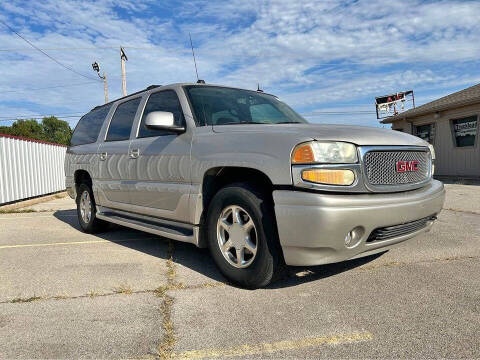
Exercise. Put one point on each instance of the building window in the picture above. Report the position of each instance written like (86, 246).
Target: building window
(465, 131)
(425, 132)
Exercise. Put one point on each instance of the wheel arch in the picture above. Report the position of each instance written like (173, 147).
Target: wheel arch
(82, 176)
(218, 177)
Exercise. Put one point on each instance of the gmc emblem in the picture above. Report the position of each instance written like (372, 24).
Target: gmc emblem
(404, 166)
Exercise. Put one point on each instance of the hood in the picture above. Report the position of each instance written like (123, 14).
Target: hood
(359, 135)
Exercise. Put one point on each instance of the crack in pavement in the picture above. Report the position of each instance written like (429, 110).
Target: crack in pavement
(173, 285)
(165, 348)
(116, 292)
(405, 263)
(463, 211)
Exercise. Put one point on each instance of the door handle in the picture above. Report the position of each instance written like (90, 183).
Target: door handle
(103, 156)
(134, 153)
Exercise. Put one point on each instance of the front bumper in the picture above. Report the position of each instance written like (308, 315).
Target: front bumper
(312, 227)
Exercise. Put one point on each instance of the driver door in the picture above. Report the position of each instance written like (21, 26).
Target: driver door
(160, 169)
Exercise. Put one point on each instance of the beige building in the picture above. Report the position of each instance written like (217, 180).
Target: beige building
(451, 124)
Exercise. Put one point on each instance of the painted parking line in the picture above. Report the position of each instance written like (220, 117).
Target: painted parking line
(72, 243)
(266, 348)
(33, 217)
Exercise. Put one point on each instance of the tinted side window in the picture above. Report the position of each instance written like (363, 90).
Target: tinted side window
(88, 127)
(161, 101)
(122, 120)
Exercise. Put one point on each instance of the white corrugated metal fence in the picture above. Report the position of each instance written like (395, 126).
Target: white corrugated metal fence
(29, 168)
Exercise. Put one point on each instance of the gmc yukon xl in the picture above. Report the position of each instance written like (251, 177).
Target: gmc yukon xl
(241, 173)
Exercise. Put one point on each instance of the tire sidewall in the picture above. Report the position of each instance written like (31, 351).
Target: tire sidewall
(86, 226)
(261, 269)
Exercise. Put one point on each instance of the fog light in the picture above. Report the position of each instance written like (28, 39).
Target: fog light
(349, 239)
(354, 237)
(329, 176)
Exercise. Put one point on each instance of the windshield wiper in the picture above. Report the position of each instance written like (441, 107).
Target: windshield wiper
(289, 122)
(239, 123)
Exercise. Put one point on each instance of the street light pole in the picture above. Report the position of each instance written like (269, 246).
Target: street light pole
(123, 57)
(96, 68)
(105, 86)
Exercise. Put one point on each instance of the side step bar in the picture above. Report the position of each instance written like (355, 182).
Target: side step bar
(166, 228)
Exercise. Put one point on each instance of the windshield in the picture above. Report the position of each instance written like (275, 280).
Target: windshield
(214, 105)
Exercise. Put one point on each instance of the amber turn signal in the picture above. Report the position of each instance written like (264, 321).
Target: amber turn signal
(303, 154)
(329, 176)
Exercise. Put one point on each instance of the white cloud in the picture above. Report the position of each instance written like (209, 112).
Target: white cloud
(373, 47)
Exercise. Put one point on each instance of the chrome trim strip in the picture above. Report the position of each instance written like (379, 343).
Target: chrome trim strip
(357, 186)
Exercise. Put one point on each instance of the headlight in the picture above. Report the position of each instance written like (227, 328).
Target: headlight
(326, 152)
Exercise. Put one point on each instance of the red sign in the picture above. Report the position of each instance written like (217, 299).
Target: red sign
(404, 166)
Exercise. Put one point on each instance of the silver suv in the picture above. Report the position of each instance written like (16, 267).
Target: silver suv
(241, 173)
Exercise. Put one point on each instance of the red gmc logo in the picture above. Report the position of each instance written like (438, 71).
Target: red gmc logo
(404, 166)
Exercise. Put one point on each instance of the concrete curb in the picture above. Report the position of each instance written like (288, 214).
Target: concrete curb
(34, 201)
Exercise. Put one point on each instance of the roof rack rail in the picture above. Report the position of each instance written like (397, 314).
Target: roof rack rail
(123, 97)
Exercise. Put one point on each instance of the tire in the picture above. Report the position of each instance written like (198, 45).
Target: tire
(89, 224)
(260, 259)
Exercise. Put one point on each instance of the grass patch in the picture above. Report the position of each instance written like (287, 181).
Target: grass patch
(25, 300)
(17, 211)
(165, 349)
(123, 289)
(92, 294)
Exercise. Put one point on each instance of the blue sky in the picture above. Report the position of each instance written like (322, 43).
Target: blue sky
(327, 59)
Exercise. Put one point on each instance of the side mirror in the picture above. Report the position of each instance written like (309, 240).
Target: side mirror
(162, 120)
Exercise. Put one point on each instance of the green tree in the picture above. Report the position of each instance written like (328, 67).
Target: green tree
(56, 130)
(27, 128)
(51, 129)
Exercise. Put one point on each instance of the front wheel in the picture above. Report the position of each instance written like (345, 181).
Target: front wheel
(242, 235)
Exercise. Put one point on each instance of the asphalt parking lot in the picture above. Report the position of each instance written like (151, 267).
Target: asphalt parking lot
(128, 294)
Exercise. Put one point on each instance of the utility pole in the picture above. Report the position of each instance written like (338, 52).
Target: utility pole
(105, 86)
(123, 57)
(96, 68)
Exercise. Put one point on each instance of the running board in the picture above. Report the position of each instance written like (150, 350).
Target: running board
(166, 228)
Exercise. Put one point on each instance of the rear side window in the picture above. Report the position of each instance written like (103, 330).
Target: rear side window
(161, 101)
(88, 127)
(122, 120)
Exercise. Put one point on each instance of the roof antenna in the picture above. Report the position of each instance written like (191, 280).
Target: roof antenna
(199, 81)
(258, 88)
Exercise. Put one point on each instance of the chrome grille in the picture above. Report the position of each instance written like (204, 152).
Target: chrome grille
(380, 167)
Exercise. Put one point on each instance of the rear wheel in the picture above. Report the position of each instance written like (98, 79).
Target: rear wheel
(242, 236)
(86, 210)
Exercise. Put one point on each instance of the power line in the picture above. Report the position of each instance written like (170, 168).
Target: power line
(84, 48)
(49, 87)
(41, 117)
(338, 112)
(44, 53)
